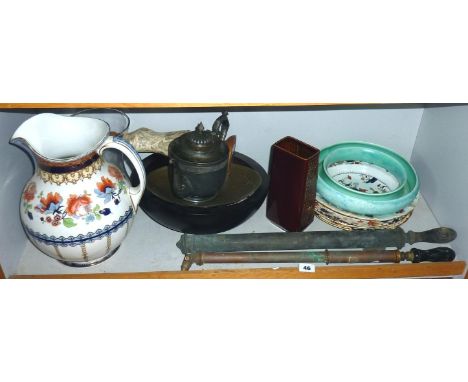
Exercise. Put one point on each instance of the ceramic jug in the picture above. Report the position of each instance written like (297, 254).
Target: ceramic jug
(77, 207)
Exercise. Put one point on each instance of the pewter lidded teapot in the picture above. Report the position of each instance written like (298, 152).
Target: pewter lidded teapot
(77, 208)
(198, 161)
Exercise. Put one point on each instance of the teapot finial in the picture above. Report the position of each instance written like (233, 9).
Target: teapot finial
(199, 128)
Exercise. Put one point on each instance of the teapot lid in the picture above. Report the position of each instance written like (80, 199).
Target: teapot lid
(199, 146)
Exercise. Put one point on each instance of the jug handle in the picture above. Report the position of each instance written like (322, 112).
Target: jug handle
(120, 144)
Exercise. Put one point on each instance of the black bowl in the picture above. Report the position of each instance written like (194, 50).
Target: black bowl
(199, 219)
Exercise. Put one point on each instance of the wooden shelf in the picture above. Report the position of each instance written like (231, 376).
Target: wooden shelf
(144, 252)
(322, 272)
(204, 106)
(152, 105)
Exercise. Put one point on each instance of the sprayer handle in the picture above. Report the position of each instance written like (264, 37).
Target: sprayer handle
(434, 255)
(439, 235)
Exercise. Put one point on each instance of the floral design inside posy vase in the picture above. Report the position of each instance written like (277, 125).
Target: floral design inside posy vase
(77, 208)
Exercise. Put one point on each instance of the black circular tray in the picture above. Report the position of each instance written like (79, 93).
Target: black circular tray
(202, 218)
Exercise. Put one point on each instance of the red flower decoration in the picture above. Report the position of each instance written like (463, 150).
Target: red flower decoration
(47, 201)
(115, 172)
(29, 192)
(78, 205)
(106, 183)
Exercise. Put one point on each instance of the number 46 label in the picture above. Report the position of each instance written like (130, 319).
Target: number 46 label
(303, 267)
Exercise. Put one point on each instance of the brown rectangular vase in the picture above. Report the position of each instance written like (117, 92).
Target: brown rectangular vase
(293, 179)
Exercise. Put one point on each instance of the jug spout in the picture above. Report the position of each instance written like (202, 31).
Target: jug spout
(26, 137)
(58, 138)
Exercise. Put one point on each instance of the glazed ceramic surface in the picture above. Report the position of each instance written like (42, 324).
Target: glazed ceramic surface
(363, 177)
(293, 169)
(348, 221)
(118, 122)
(77, 208)
(366, 179)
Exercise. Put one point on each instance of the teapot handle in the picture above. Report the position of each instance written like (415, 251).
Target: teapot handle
(221, 126)
(127, 149)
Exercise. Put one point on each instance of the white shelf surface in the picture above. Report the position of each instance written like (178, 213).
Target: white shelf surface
(151, 247)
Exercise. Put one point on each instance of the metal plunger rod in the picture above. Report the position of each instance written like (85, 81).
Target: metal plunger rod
(278, 241)
(371, 256)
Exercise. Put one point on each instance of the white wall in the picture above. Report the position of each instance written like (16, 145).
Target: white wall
(440, 157)
(257, 131)
(15, 170)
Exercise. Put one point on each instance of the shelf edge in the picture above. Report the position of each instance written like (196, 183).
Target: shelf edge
(159, 105)
(455, 268)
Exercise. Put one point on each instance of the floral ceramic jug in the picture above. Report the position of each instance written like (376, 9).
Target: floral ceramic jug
(77, 208)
